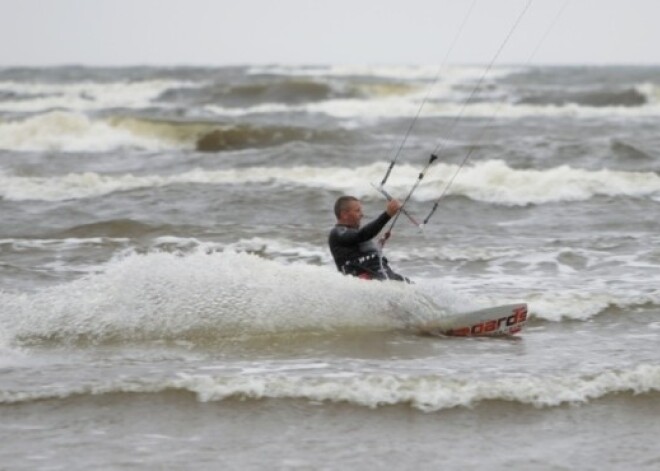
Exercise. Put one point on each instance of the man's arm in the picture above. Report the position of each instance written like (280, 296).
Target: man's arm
(370, 230)
(343, 235)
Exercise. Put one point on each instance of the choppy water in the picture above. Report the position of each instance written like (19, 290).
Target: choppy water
(167, 298)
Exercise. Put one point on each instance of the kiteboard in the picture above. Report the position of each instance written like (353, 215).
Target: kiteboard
(500, 320)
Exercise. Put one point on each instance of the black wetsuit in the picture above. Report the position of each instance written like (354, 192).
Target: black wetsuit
(356, 252)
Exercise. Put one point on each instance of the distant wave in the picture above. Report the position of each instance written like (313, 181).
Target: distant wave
(404, 107)
(444, 100)
(26, 97)
(426, 392)
(76, 132)
(603, 98)
(116, 228)
(379, 92)
(250, 137)
(491, 181)
(291, 91)
(455, 74)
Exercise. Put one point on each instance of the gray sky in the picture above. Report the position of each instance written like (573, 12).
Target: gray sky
(226, 32)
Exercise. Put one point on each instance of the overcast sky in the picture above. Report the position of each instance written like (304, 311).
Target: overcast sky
(356, 32)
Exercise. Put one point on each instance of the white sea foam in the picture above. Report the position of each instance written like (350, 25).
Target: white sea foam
(76, 132)
(208, 290)
(424, 72)
(491, 181)
(559, 300)
(68, 243)
(651, 92)
(427, 392)
(68, 128)
(444, 101)
(563, 303)
(169, 296)
(280, 249)
(408, 106)
(86, 95)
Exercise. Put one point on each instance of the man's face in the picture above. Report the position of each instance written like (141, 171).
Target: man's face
(352, 215)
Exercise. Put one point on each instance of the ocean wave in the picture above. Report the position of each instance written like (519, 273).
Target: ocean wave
(113, 229)
(60, 244)
(630, 97)
(393, 106)
(216, 137)
(84, 96)
(491, 181)
(77, 132)
(561, 304)
(454, 73)
(293, 91)
(443, 100)
(146, 238)
(426, 392)
(208, 296)
(253, 95)
(369, 92)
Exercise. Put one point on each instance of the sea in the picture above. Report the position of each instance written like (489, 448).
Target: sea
(168, 300)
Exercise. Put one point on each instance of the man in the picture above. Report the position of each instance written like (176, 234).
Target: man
(353, 247)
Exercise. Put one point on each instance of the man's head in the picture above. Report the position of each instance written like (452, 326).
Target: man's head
(348, 211)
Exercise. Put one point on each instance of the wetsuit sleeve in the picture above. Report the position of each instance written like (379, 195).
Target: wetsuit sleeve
(366, 232)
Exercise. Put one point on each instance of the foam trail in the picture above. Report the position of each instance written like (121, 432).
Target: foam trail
(168, 296)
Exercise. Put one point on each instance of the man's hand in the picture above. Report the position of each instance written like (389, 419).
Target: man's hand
(393, 207)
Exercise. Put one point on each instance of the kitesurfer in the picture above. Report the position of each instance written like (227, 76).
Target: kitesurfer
(354, 248)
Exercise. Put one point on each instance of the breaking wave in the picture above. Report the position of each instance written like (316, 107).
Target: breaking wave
(293, 92)
(112, 229)
(426, 392)
(26, 97)
(630, 97)
(454, 74)
(76, 132)
(583, 305)
(491, 181)
(447, 98)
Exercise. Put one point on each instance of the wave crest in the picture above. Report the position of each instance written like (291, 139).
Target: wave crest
(77, 132)
(427, 392)
(491, 181)
(630, 97)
